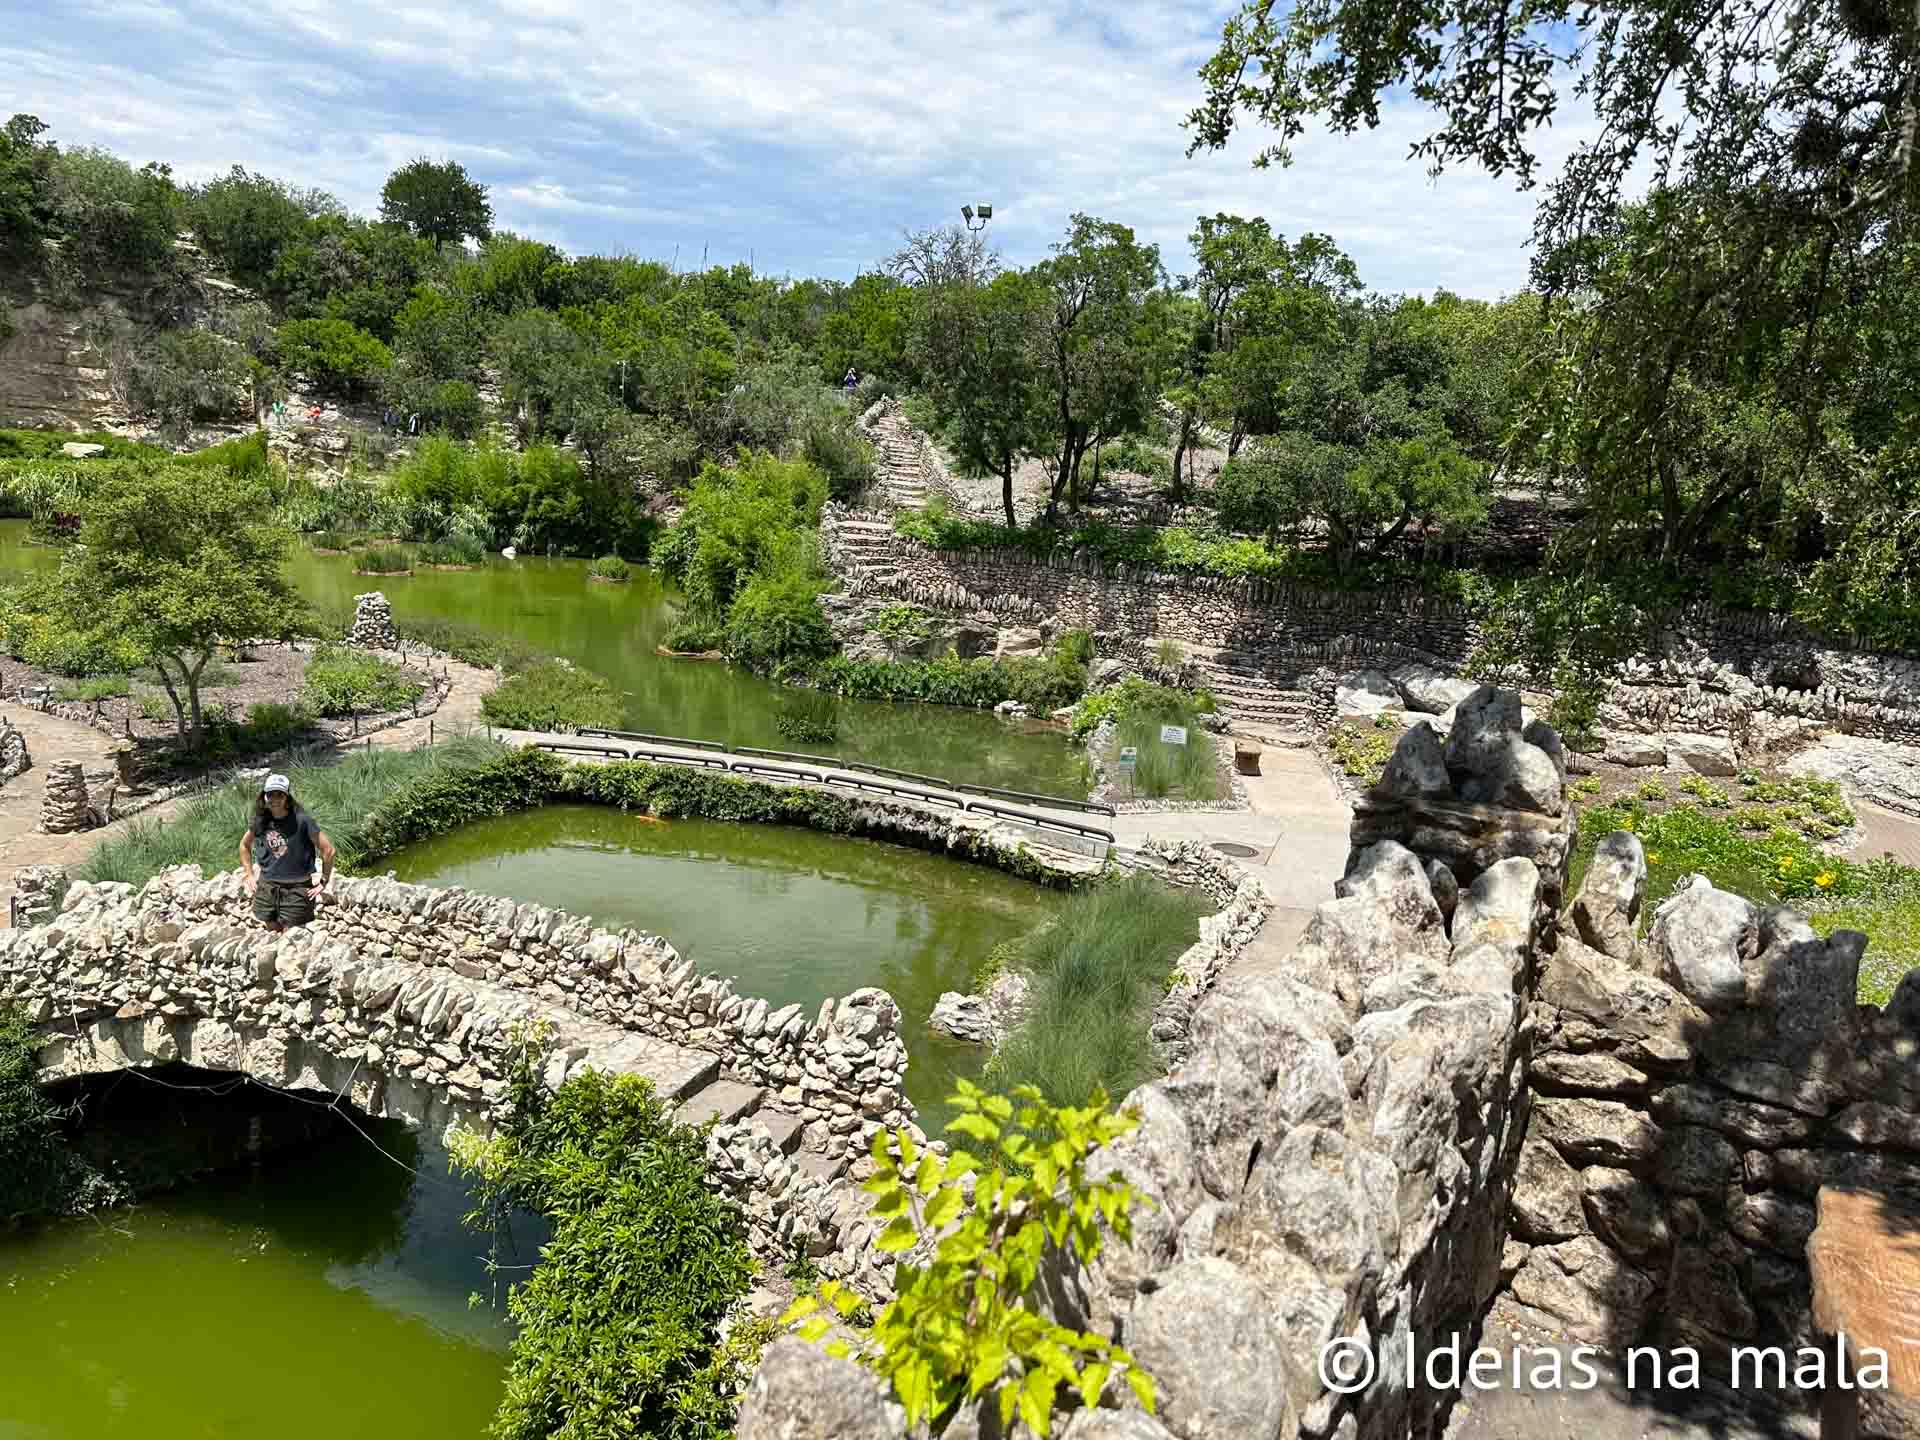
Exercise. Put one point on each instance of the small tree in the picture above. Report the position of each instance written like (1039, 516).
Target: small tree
(438, 202)
(173, 560)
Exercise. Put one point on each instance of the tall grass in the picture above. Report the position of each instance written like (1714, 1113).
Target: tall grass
(1189, 772)
(340, 793)
(1097, 969)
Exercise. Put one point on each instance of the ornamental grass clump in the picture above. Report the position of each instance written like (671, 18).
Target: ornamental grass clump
(555, 696)
(611, 568)
(960, 1328)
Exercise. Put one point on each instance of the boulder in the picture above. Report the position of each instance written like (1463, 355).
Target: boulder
(1702, 942)
(1633, 750)
(1018, 640)
(1105, 673)
(1392, 877)
(1430, 691)
(1498, 910)
(1365, 692)
(1417, 769)
(1217, 1358)
(1546, 1195)
(81, 450)
(1115, 1425)
(800, 1392)
(1606, 911)
(964, 1017)
(1705, 754)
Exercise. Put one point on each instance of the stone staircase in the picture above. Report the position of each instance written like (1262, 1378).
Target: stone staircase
(1256, 702)
(727, 1100)
(864, 551)
(897, 463)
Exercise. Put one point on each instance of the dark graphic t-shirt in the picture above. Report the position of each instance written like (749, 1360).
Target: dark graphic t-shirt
(285, 850)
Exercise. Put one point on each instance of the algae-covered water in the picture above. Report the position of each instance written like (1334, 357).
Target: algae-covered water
(794, 915)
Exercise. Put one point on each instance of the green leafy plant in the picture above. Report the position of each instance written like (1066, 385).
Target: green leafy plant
(610, 567)
(343, 681)
(1134, 696)
(1650, 790)
(1705, 791)
(960, 1327)
(1360, 753)
(457, 549)
(100, 687)
(553, 695)
(1585, 787)
(901, 626)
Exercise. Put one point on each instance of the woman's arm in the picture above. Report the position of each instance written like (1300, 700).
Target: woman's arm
(325, 847)
(246, 855)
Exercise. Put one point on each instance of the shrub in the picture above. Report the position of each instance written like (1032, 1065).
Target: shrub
(343, 681)
(382, 560)
(901, 626)
(1361, 753)
(960, 1327)
(339, 358)
(610, 567)
(335, 540)
(271, 725)
(837, 452)
(808, 720)
(618, 1325)
(101, 687)
(777, 621)
(553, 695)
(33, 1180)
(1190, 771)
(1134, 696)
(1075, 646)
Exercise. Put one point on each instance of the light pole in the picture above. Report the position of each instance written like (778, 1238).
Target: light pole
(983, 214)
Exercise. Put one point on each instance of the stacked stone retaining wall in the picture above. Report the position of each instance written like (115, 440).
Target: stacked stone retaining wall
(1756, 678)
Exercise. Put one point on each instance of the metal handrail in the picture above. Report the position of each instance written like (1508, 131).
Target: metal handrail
(661, 757)
(679, 740)
(826, 760)
(1090, 807)
(560, 746)
(1047, 822)
(749, 767)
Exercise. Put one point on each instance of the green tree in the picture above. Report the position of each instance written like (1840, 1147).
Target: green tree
(175, 559)
(26, 187)
(979, 346)
(338, 357)
(247, 220)
(176, 377)
(1105, 341)
(437, 201)
(110, 216)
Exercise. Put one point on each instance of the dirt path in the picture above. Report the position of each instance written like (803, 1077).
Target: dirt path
(458, 713)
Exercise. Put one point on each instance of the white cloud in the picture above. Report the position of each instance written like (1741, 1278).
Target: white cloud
(809, 133)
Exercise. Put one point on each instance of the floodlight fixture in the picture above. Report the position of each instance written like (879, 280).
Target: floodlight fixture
(981, 215)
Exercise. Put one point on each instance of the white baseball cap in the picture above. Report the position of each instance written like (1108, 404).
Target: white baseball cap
(278, 782)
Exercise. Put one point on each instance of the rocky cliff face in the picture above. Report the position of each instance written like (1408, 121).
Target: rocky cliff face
(56, 345)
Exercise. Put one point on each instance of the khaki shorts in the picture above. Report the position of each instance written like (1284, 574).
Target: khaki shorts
(289, 903)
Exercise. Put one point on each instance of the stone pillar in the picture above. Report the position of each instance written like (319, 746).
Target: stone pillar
(65, 808)
(373, 623)
(14, 759)
(37, 893)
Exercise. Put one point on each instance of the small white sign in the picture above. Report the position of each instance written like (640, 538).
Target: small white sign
(1129, 754)
(1173, 734)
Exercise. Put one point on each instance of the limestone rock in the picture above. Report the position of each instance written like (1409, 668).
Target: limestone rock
(1653, 1025)
(1392, 877)
(1018, 640)
(1625, 1211)
(1634, 750)
(1115, 1425)
(1217, 1358)
(1498, 910)
(802, 1393)
(14, 759)
(1606, 911)
(964, 1017)
(1705, 754)
(1595, 1132)
(1446, 888)
(1417, 769)
(1365, 692)
(1430, 691)
(1702, 941)
(1599, 1297)
(1546, 1195)
(81, 450)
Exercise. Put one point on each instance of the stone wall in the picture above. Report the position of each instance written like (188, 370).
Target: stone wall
(1334, 1159)
(841, 1069)
(1758, 679)
(1692, 1093)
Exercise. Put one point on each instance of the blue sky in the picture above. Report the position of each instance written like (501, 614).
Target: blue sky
(803, 136)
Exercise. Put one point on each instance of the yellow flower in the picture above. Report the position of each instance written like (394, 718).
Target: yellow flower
(1786, 862)
(1824, 879)
(1653, 857)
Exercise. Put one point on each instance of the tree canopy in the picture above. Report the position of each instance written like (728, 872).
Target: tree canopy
(438, 201)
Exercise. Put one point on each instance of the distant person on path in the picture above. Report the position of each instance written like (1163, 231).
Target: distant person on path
(413, 425)
(852, 381)
(277, 857)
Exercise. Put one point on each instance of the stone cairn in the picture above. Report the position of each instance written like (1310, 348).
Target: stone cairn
(67, 806)
(14, 759)
(373, 623)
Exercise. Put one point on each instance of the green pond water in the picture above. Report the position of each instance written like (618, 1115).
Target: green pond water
(323, 1296)
(794, 915)
(552, 606)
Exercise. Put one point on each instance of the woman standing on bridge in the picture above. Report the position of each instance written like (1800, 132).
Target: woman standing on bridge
(277, 855)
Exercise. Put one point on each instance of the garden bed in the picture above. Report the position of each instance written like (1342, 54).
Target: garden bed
(266, 675)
